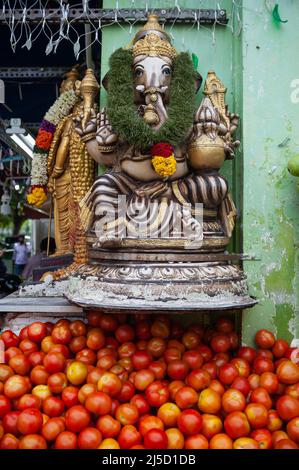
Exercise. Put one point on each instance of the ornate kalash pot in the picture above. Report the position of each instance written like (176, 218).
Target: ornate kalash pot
(159, 219)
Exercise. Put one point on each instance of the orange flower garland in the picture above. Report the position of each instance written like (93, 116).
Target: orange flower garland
(163, 159)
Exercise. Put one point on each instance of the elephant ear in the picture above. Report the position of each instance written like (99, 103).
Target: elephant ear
(105, 81)
(198, 81)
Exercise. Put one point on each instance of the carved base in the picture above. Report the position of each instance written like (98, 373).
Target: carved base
(167, 286)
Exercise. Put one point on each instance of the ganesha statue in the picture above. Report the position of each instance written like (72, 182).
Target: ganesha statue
(159, 218)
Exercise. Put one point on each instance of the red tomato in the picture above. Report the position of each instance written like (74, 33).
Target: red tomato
(95, 339)
(10, 339)
(175, 439)
(178, 370)
(61, 334)
(87, 356)
(262, 364)
(209, 401)
(211, 368)
(110, 383)
(53, 407)
(15, 386)
(143, 378)
(108, 323)
(189, 422)
(9, 422)
(221, 358)
(286, 444)
(54, 362)
(39, 375)
(234, 339)
(94, 317)
(193, 358)
(70, 396)
(241, 384)
(78, 328)
(264, 353)
(247, 353)
(9, 441)
(292, 429)
(23, 333)
(128, 437)
(57, 382)
(141, 404)
(227, 374)
(159, 369)
(155, 439)
(160, 329)
(287, 372)
(254, 381)
(221, 441)
(9, 353)
(287, 407)
(143, 329)
(77, 344)
(52, 428)
(5, 372)
(225, 325)
(66, 440)
(108, 426)
(176, 331)
(20, 364)
(172, 354)
(127, 414)
(217, 387)
(148, 422)
(233, 400)
(28, 401)
(280, 347)
(5, 405)
(191, 339)
(157, 393)
(186, 397)
(274, 421)
(27, 347)
(124, 333)
(141, 360)
(156, 347)
(126, 349)
(36, 358)
(263, 437)
(32, 441)
(89, 438)
(264, 339)
(197, 441)
(198, 379)
(269, 381)
(30, 421)
(260, 395)
(77, 418)
(245, 443)
(37, 331)
(220, 343)
(257, 415)
(98, 403)
(242, 366)
(211, 425)
(236, 425)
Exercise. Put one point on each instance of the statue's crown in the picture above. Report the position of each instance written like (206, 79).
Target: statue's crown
(152, 40)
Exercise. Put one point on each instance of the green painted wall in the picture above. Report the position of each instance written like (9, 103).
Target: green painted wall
(258, 68)
(270, 138)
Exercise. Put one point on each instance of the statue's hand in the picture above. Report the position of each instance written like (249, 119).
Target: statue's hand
(105, 135)
(91, 126)
(234, 122)
(51, 186)
(153, 190)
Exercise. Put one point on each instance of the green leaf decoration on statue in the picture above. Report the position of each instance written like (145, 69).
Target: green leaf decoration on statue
(276, 15)
(194, 60)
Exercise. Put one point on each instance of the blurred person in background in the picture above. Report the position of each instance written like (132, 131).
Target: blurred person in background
(20, 255)
(34, 261)
(3, 267)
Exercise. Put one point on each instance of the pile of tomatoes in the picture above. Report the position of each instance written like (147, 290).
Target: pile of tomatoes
(135, 382)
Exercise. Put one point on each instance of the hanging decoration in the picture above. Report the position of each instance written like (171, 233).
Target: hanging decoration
(17, 16)
(60, 109)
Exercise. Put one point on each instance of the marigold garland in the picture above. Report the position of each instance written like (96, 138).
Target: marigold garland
(163, 159)
(61, 108)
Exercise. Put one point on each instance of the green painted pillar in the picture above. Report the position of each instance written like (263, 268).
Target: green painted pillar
(270, 138)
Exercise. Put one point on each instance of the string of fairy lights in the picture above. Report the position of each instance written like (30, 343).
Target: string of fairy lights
(24, 33)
